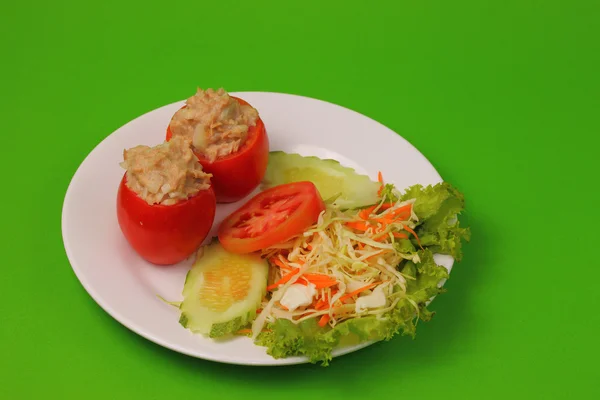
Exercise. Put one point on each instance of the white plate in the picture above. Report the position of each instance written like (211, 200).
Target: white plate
(126, 287)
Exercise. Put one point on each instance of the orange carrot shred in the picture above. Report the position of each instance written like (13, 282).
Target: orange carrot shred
(415, 235)
(405, 207)
(366, 212)
(401, 214)
(400, 235)
(280, 263)
(380, 238)
(321, 304)
(402, 210)
(320, 281)
(324, 320)
(284, 279)
(357, 291)
(360, 226)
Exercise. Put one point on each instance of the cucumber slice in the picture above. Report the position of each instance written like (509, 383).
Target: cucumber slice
(222, 291)
(329, 176)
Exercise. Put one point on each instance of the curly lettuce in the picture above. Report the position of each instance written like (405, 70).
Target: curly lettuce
(438, 208)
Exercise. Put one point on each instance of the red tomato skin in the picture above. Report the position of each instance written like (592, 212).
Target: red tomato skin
(307, 214)
(165, 235)
(235, 176)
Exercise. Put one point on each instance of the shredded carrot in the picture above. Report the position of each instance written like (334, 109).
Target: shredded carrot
(386, 206)
(320, 281)
(324, 320)
(415, 235)
(309, 246)
(380, 179)
(402, 214)
(284, 279)
(301, 281)
(380, 238)
(400, 235)
(380, 235)
(365, 213)
(402, 211)
(384, 220)
(359, 226)
(280, 263)
(258, 310)
(357, 291)
(321, 304)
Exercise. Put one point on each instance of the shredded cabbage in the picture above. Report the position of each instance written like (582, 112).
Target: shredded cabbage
(358, 249)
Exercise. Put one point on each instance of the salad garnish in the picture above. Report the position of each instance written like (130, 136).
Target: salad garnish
(366, 271)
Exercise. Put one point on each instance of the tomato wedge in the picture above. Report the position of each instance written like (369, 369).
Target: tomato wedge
(235, 176)
(271, 217)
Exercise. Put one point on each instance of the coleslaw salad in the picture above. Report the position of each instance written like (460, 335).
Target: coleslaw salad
(368, 272)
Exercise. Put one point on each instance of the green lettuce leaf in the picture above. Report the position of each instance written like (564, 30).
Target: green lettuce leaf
(224, 329)
(438, 208)
(429, 199)
(404, 246)
(427, 276)
(283, 338)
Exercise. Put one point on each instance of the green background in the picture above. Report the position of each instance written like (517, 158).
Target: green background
(501, 96)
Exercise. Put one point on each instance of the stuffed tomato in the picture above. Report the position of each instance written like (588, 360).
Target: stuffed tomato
(229, 139)
(165, 202)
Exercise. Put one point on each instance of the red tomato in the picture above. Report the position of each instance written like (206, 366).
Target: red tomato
(235, 176)
(161, 234)
(271, 217)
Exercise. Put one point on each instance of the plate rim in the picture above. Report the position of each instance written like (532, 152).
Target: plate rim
(134, 327)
